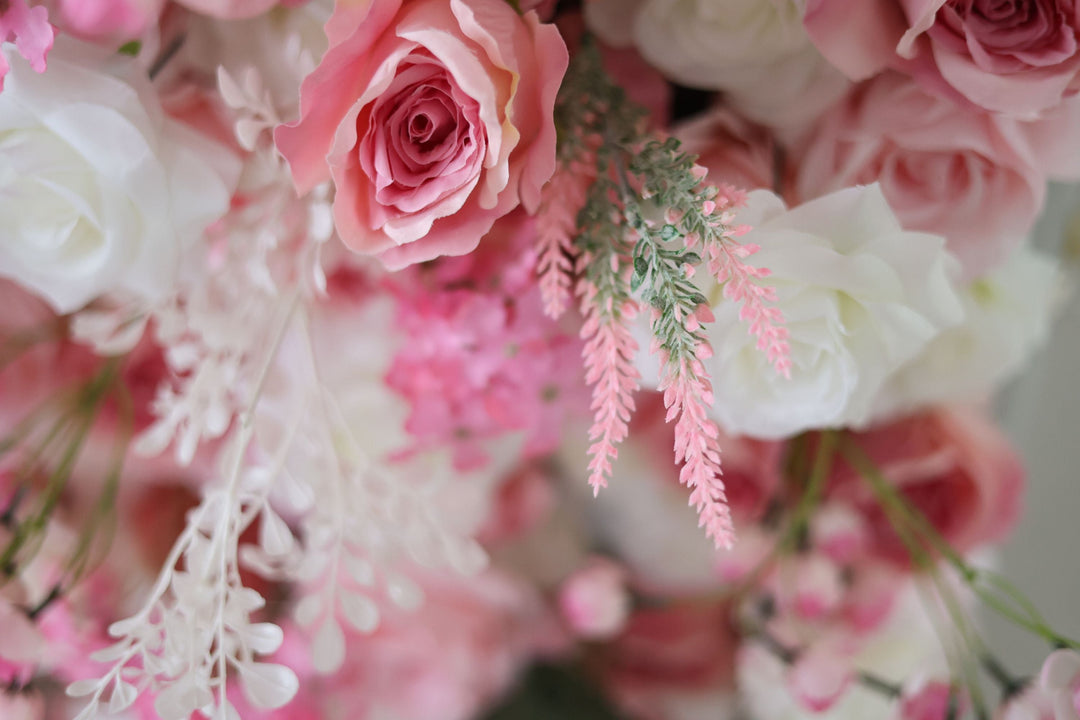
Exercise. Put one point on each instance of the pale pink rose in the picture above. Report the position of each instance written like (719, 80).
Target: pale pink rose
(1016, 58)
(951, 465)
(969, 176)
(108, 20)
(594, 600)
(433, 119)
(733, 150)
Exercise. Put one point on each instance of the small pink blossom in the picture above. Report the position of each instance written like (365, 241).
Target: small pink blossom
(820, 676)
(749, 554)
(1060, 679)
(594, 600)
(816, 586)
(1032, 703)
(928, 699)
(31, 31)
(839, 532)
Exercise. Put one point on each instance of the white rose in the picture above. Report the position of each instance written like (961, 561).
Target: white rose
(756, 51)
(99, 191)
(1006, 317)
(861, 296)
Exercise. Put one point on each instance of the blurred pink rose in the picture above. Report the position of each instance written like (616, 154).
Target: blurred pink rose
(432, 119)
(733, 150)
(928, 699)
(952, 466)
(969, 176)
(107, 20)
(669, 652)
(1016, 58)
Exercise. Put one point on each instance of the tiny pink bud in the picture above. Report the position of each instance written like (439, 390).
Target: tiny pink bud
(839, 532)
(925, 699)
(819, 677)
(818, 589)
(594, 600)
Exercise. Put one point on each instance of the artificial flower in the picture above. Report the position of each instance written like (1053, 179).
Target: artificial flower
(757, 52)
(946, 170)
(1007, 317)
(1017, 58)
(30, 29)
(860, 295)
(951, 465)
(104, 192)
(432, 120)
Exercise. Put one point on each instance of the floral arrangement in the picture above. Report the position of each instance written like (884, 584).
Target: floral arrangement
(360, 359)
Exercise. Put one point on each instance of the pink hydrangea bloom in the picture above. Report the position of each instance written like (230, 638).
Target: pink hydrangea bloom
(481, 359)
(30, 29)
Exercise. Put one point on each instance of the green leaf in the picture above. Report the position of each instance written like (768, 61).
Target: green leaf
(669, 233)
(641, 266)
(131, 48)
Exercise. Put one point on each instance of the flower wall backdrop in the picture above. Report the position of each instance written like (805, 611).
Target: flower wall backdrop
(507, 359)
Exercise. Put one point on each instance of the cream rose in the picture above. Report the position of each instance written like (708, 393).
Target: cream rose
(99, 190)
(756, 51)
(861, 297)
(1006, 317)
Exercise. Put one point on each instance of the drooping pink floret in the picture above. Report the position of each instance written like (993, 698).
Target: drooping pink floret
(727, 263)
(609, 369)
(556, 224)
(688, 397)
(30, 29)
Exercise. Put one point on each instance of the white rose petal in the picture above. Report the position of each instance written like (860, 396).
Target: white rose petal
(861, 297)
(1006, 317)
(99, 191)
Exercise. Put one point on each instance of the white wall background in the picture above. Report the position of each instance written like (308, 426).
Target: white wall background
(1041, 412)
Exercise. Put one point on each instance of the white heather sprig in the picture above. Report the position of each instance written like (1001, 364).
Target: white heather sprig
(195, 629)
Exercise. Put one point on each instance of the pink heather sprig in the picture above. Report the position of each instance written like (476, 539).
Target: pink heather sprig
(609, 368)
(727, 263)
(556, 226)
(31, 31)
(687, 397)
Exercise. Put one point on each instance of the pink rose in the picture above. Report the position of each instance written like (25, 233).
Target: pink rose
(1018, 58)
(433, 119)
(733, 150)
(969, 176)
(670, 652)
(951, 465)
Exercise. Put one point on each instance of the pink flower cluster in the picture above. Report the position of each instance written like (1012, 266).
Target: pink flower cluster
(479, 359)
